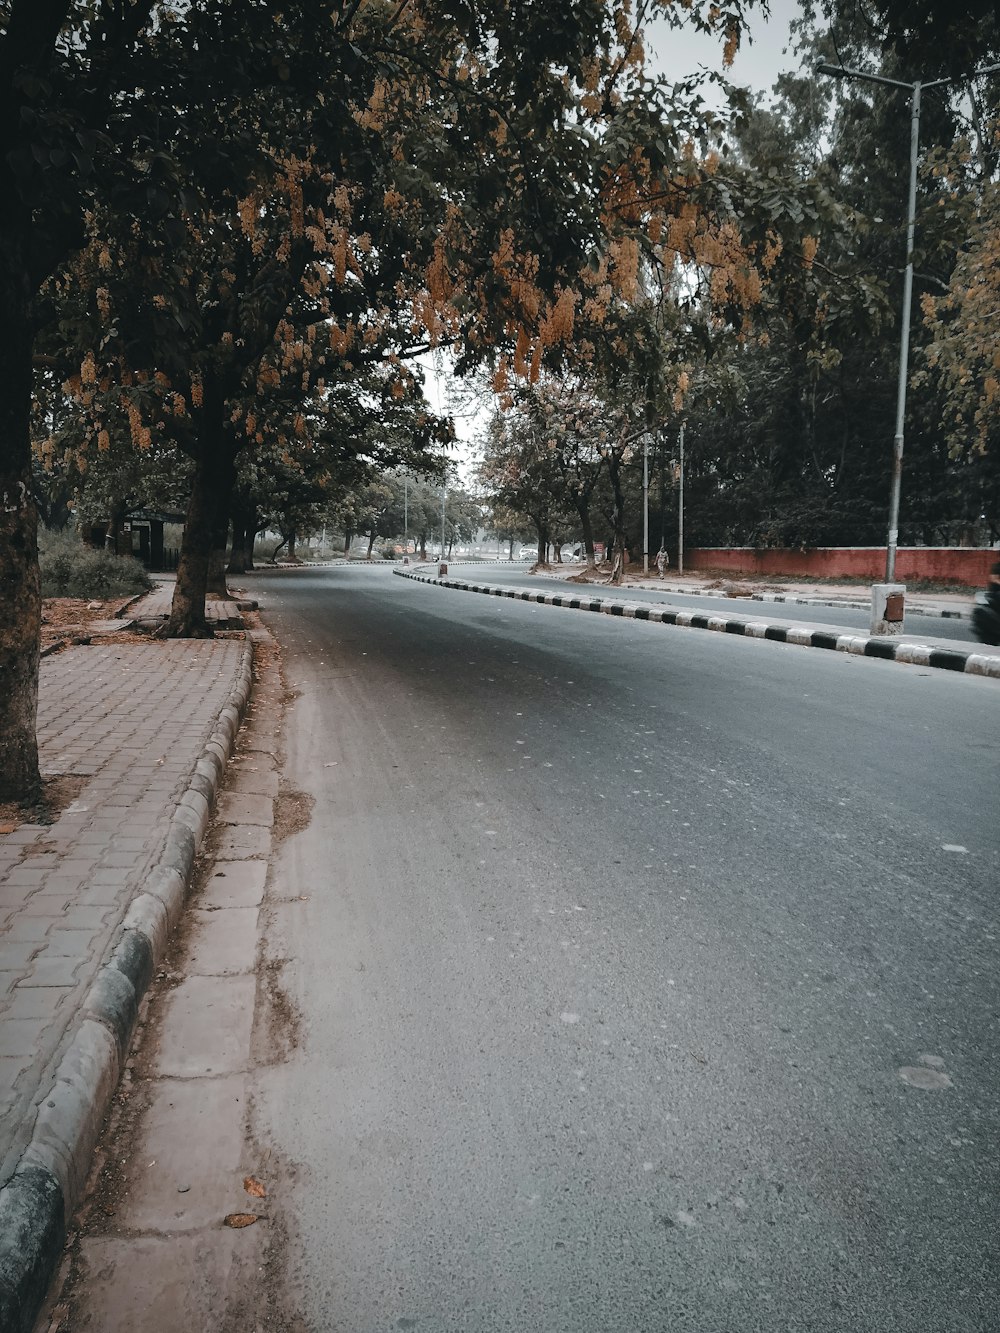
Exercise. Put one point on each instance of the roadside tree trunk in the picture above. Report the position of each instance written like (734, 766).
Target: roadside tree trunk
(583, 509)
(244, 531)
(20, 595)
(216, 582)
(116, 539)
(214, 477)
(187, 611)
(242, 549)
(543, 543)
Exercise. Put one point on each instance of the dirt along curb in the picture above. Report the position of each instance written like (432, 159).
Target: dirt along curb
(49, 1179)
(862, 645)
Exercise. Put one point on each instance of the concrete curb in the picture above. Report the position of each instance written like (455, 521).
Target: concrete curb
(855, 604)
(44, 1190)
(915, 607)
(862, 645)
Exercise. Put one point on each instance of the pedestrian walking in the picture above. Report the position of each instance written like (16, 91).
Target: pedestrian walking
(662, 561)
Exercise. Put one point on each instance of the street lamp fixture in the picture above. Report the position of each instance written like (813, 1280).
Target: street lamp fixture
(842, 72)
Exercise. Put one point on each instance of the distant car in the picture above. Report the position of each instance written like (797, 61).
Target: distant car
(528, 553)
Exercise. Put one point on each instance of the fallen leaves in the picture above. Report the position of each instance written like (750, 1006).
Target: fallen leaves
(256, 1190)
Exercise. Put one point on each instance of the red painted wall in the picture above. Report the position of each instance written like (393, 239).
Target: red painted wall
(944, 564)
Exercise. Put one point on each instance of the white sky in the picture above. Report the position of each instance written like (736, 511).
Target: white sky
(759, 61)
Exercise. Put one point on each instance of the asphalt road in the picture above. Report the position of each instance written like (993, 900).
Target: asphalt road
(933, 627)
(642, 978)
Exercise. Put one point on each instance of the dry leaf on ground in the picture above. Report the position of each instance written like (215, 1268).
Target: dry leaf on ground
(238, 1220)
(253, 1186)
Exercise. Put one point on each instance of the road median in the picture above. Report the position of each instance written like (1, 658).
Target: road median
(931, 653)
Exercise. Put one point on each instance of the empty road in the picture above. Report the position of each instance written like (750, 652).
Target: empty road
(639, 978)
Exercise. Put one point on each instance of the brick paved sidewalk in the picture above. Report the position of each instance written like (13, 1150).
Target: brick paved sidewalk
(155, 605)
(131, 721)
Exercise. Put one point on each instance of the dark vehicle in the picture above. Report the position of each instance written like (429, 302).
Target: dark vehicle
(986, 612)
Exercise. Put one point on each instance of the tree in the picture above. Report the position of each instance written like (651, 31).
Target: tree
(790, 427)
(963, 361)
(85, 91)
(519, 474)
(259, 185)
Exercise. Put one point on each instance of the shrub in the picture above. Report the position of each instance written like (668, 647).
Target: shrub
(70, 569)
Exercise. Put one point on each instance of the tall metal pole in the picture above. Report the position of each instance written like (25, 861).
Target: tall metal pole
(680, 509)
(842, 72)
(645, 504)
(904, 345)
(444, 496)
(406, 513)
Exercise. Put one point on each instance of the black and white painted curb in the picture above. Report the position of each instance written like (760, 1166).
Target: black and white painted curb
(41, 1195)
(862, 645)
(851, 604)
(855, 605)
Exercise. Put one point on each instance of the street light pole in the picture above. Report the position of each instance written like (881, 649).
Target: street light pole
(645, 504)
(680, 507)
(904, 344)
(842, 72)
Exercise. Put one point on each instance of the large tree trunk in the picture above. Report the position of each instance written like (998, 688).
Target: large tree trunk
(214, 477)
(583, 509)
(244, 532)
(543, 543)
(114, 538)
(20, 596)
(216, 582)
(238, 562)
(187, 611)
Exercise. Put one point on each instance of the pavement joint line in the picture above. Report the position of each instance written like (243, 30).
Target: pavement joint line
(968, 662)
(47, 1182)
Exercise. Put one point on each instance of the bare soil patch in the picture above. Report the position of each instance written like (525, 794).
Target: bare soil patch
(72, 620)
(58, 791)
(277, 1029)
(292, 813)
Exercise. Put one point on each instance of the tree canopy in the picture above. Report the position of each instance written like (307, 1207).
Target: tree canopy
(230, 232)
